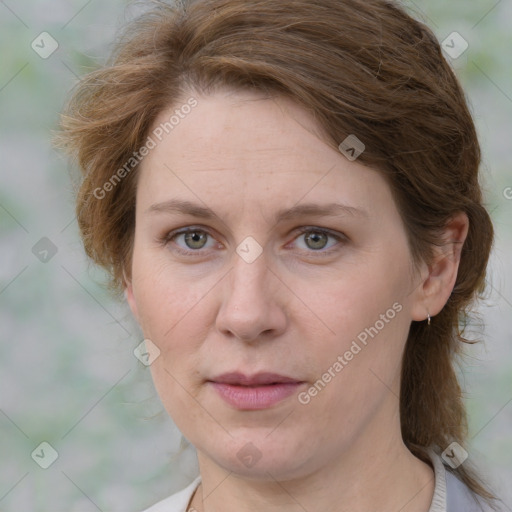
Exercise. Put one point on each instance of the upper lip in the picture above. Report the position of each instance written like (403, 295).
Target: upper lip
(263, 378)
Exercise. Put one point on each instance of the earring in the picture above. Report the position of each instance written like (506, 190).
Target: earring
(428, 318)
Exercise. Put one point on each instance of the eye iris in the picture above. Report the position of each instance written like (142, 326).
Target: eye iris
(197, 240)
(319, 240)
(195, 237)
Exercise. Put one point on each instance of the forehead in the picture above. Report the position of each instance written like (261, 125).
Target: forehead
(232, 126)
(240, 145)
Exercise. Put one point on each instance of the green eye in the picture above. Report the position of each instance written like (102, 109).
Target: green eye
(195, 239)
(188, 241)
(316, 240)
(191, 241)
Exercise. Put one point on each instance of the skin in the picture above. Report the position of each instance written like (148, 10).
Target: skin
(291, 311)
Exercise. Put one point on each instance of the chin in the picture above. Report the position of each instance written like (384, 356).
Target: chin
(256, 457)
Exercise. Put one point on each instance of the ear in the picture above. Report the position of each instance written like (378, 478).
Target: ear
(129, 296)
(438, 278)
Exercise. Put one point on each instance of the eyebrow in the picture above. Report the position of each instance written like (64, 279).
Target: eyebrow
(176, 206)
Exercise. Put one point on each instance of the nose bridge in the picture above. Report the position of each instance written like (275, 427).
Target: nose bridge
(250, 300)
(249, 281)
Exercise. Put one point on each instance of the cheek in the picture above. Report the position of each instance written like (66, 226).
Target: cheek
(164, 297)
(355, 299)
(367, 314)
(175, 314)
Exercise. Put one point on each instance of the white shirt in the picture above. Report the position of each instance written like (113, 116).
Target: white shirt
(450, 494)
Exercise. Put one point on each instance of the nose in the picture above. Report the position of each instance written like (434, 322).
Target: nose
(253, 302)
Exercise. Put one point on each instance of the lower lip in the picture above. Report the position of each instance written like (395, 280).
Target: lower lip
(258, 397)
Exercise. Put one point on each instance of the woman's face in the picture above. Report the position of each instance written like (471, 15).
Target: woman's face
(273, 278)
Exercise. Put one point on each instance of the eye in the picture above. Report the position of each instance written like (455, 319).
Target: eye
(193, 240)
(316, 239)
(188, 240)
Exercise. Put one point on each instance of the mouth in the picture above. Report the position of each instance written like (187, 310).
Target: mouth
(259, 391)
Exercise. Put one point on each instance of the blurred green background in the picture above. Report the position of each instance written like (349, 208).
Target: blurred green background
(68, 375)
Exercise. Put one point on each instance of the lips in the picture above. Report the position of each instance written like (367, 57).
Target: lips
(260, 391)
(260, 379)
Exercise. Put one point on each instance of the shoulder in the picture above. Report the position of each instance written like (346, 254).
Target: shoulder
(451, 494)
(459, 498)
(176, 502)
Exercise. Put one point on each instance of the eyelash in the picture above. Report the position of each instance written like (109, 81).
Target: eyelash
(166, 239)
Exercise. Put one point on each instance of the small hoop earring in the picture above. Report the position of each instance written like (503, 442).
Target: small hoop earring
(428, 318)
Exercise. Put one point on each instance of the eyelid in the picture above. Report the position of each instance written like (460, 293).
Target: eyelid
(327, 231)
(340, 237)
(168, 237)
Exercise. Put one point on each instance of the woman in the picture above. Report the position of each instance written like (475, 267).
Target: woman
(287, 193)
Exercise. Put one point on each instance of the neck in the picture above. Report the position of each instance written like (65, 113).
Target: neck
(386, 478)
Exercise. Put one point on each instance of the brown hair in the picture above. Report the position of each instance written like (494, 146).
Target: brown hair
(362, 67)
